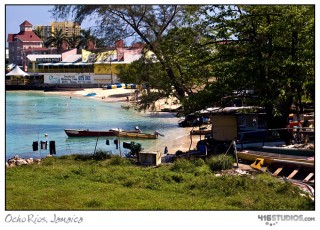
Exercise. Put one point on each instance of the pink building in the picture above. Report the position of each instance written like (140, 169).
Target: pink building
(128, 54)
(24, 43)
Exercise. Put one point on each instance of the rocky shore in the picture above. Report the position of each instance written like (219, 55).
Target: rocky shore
(17, 161)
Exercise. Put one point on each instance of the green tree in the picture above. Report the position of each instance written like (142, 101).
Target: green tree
(57, 39)
(265, 48)
(86, 37)
(149, 22)
(142, 71)
(188, 59)
(268, 49)
(184, 55)
(148, 72)
(73, 41)
(38, 32)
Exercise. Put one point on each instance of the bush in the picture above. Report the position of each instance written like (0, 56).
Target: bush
(118, 160)
(199, 162)
(135, 148)
(100, 155)
(68, 157)
(202, 170)
(178, 178)
(197, 166)
(220, 162)
(183, 165)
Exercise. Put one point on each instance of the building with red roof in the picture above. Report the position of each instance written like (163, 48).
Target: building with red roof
(24, 43)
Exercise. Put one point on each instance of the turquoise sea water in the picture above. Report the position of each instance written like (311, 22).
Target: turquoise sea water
(32, 114)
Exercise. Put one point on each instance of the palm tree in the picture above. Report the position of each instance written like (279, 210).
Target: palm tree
(57, 39)
(74, 41)
(86, 37)
(38, 31)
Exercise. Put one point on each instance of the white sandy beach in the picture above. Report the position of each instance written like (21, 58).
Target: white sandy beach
(181, 142)
(101, 94)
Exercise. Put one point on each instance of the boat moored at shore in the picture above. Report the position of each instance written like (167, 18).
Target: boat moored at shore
(95, 133)
(137, 135)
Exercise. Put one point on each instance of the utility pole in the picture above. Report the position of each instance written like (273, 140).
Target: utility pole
(111, 69)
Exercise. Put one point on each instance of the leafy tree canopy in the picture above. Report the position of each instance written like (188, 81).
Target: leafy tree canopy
(205, 52)
(269, 49)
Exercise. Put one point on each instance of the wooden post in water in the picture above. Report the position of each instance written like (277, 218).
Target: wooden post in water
(119, 142)
(96, 144)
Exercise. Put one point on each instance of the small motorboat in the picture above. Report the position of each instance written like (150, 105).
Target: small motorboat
(137, 135)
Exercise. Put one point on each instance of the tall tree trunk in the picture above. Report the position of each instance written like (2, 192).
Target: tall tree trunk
(180, 92)
(292, 71)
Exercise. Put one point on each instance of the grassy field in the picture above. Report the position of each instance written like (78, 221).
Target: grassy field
(79, 183)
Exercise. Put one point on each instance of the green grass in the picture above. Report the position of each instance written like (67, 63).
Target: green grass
(114, 183)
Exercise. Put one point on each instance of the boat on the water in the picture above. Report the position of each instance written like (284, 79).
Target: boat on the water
(95, 133)
(136, 135)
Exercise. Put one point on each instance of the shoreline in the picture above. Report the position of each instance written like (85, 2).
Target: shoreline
(101, 94)
(181, 142)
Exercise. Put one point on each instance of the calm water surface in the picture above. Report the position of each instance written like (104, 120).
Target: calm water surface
(31, 114)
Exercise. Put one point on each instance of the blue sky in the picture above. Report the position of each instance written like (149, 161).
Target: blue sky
(35, 14)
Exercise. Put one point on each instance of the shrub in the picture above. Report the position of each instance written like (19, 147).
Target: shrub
(202, 170)
(178, 178)
(100, 155)
(68, 157)
(197, 166)
(220, 162)
(118, 160)
(182, 165)
(198, 162)
(135, 148)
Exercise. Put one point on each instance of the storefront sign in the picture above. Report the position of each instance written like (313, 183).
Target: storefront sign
(48, 60)
(67, 79)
